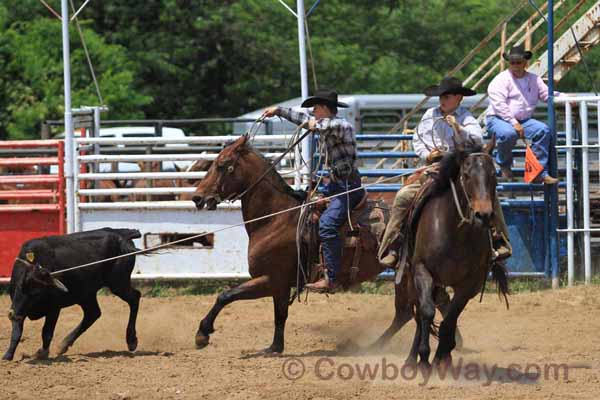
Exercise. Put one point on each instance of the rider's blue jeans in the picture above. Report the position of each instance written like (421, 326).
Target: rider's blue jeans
(332, 220)
(536, 132)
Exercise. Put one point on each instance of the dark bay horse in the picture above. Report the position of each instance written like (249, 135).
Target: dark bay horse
(450, 250)
(272, 251)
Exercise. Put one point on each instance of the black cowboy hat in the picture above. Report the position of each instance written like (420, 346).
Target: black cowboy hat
(327, 97)
(449, 85)
(517, 53)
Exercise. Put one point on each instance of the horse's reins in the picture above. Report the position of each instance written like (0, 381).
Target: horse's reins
(235, 197)
(458, 206)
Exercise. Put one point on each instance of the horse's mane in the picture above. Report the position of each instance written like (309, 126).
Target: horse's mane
(278, 179)
(450, 167)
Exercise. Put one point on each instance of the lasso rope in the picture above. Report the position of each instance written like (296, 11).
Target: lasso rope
(221, 229)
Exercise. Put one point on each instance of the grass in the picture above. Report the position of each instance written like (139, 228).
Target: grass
(184, 288)
(379, 287)
(524, 285)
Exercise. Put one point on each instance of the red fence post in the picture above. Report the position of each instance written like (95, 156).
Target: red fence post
(24, 217)
(61, 188)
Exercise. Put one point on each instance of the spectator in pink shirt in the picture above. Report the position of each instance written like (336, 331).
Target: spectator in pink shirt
(513, 95)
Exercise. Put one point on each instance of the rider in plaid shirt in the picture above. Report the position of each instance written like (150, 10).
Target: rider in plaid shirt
(340, 147)
(337, 133)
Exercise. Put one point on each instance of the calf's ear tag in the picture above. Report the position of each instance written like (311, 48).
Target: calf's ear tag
(30, 256)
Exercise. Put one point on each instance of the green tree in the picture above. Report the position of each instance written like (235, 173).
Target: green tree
(32, 58)
(200, 58)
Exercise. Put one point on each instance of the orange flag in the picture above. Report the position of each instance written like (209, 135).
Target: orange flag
(532, 165)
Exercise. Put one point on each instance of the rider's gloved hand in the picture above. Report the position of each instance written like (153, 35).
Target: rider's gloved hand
(434, 156)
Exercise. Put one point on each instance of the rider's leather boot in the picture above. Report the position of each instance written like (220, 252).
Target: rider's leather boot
(390, 260)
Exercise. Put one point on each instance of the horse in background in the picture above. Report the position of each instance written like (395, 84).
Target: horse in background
(152, 166)
(106, 184)
(156, 166)
(16, 170)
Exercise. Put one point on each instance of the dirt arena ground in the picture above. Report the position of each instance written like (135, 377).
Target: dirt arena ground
(503, 352)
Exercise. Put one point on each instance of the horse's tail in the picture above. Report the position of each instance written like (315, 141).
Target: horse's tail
(500, 276)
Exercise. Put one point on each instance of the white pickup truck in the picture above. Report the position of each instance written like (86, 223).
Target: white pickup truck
(140, 132)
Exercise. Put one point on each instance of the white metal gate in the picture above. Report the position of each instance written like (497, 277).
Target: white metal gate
(583, 102)
(220, 255)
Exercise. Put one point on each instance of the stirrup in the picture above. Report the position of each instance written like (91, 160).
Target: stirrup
(327, 288)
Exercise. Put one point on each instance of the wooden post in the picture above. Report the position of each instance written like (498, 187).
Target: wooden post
(502, 46)
(528, 35)
(147, 167)
(45, 131)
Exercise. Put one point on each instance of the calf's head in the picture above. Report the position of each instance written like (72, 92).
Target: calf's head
(31, 284)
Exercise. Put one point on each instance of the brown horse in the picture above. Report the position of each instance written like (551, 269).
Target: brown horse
(272, 251)
(197, 166)
(155, 166)
(25, 170)
(152, 166)
(449, 251)
(105, 184)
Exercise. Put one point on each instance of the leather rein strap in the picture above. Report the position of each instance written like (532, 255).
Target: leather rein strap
(273, 165)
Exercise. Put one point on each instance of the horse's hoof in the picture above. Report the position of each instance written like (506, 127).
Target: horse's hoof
(206, 328)
(443, 362)
(63, 349)
(201, 340)
(41, 354)
(411, 362)
(424, 366)
(8, 357)
(132, 344)
(273, 350)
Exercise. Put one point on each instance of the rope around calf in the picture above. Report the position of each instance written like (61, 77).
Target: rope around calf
(224, 228)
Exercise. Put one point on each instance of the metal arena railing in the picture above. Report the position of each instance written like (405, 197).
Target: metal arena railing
(583, 151)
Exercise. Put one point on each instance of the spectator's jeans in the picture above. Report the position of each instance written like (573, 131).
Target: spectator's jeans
(537, 133)
(334, 216)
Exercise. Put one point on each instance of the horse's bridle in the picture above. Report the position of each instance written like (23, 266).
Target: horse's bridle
(232, 166)
(463, 219)
(219, 184)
